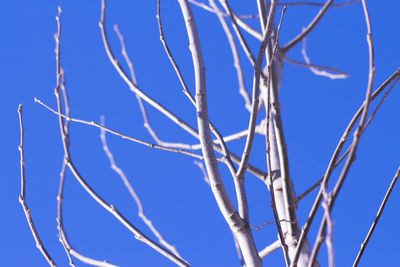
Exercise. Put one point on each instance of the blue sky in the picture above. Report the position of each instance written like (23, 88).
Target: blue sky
(315, 113)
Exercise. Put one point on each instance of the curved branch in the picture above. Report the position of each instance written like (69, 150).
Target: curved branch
(134, 88)
(308, 29)
(356, 139)
(22, 196)
(240, 228)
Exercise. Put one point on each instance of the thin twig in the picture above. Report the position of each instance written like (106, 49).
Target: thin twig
(308, 29)
(238, 18)
(203, 171)
(22, 196)
(313, 67)
(259, 130)
(134, 88)
(377, 217)
(110, 208)
(64, 128)
(143, 110)
(258, 227)
(186, 90)
(308, 3)
(95, 124)
(329, 222)
(60, 198)
(333, 161)
(133, 194)
(170, 57)
(212, 10)
(318, 183)
(356, 139)
(236, 59)
(317, 69)
(239, 34)
(114, 211)
(371, 118)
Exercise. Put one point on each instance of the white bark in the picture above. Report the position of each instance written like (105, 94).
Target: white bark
(239, 227)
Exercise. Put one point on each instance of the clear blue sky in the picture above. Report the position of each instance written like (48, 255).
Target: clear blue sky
(315, 111)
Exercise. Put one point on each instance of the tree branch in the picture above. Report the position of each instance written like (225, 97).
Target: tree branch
(70, 251)
(333, 161)
(357, 136)
(309, 3)
(308, 29)
(134, 88)
(133, 194)
(269, 84)
(238, 18)
(236, 59)
(95, 124)
(376, 220)
(270, 248)
(238, 226)
(22, 196)
(143, 110)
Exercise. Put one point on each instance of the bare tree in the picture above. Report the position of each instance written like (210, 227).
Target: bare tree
(264, 118)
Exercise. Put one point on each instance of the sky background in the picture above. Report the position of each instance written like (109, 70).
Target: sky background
(315, 113)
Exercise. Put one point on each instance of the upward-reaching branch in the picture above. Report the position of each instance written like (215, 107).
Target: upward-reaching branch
(110, 208)
(334, 161)
(134, 88)
(22, 196)
(376, 220)
(61, 90)
(235, 53)
(239, 227)
(277, 158)
(356, 140)
(308, 29)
